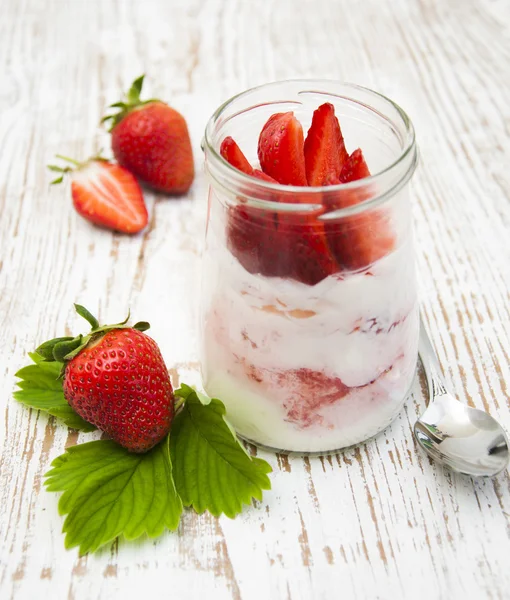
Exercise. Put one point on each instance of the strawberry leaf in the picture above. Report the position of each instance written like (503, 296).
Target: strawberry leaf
(46, 350)
(133, 95)
(89, 317)
(40, 388)
(212, 470)
(109, 492)
(141, 326)
(66, 347)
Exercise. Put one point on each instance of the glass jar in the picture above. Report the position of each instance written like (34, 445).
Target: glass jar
(309, 308)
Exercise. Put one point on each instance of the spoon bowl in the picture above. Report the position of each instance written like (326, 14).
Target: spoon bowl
(465, 439)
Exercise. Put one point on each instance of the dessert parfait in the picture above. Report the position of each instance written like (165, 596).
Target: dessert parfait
(309, 309)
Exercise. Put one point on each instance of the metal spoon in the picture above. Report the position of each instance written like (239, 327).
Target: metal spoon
(465, 439)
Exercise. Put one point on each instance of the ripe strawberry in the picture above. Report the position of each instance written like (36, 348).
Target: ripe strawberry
(354, 168)
(234, 155)
(105, 194)
(325, 152)
(116, 379)
(151, 140)
(280, 149)
(357, 241)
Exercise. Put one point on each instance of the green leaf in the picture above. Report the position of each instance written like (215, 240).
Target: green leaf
(109, 492)
(184, 391)
(46, 350)
(40, 387)
(133, 96)
(65, 347)
(212, 471)
(141, 326)
(83, 312)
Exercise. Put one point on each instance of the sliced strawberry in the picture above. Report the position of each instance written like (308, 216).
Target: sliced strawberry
(354, 168)
(309, 258)
(251, 232)
(105, 194)
(280, 149)
(277, 244)
(252, 237)
(261, 175)
(324, 149)
(234, 155)
(108, 195)
(357, 241)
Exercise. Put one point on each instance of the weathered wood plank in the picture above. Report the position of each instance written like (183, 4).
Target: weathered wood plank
(378, 521)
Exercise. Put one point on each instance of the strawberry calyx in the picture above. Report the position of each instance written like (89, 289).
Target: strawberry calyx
(130, 102)
(64, 349)
(73, 165)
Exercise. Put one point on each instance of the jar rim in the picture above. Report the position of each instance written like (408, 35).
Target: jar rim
(238, 177)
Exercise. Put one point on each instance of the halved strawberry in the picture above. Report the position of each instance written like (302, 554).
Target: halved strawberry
(354, 168)
(105, 194)
(324, 148)
(280, 149)
(234, 155)
(359, 240)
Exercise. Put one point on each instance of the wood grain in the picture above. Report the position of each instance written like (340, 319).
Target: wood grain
(378, 521)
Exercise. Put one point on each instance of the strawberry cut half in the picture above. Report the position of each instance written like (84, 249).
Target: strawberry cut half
(354, 168)
(105, 193)
(324, 147)
(359, 240)
(280, 149)
(234, 155)
(109, 195)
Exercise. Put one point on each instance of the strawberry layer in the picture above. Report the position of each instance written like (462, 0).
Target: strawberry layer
(309, 368)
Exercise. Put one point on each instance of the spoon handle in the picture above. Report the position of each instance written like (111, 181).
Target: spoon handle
(430, 362)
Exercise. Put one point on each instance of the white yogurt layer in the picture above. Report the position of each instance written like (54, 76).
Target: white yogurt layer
(310, 368)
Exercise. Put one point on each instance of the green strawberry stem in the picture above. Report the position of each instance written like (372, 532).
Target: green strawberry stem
(77, 165)
(64, 349)
(130, 102)
(67, 159)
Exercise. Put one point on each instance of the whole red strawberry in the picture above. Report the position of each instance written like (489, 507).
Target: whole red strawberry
(151, 139)
(116, 379)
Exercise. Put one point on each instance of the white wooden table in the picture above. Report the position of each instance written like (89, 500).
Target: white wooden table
(379, 521)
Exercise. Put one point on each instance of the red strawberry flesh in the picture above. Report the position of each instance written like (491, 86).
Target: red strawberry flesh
(108, 195)
(274, 243)
(354, 168)
(280, 149)
(359, 240)
(324, 148)
(234, 155)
